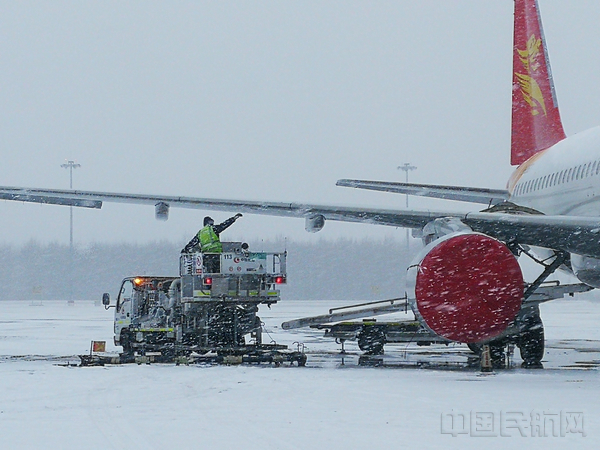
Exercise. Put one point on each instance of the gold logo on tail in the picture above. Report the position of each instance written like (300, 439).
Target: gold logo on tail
(530, 89)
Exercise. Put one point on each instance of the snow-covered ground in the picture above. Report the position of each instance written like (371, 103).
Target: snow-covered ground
(324, 405)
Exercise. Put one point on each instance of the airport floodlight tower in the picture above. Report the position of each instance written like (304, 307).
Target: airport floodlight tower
(406, 167)
(70, 165)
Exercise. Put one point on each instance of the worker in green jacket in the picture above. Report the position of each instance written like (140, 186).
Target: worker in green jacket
(207, 241)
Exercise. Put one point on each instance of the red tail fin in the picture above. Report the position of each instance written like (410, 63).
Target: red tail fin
(536, 123)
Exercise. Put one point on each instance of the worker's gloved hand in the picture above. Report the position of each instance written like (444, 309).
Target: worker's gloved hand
(238, 215)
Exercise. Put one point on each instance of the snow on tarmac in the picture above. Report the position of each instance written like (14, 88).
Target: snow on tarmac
(324, 405)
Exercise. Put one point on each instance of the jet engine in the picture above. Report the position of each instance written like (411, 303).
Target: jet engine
(161, 211)
(466, 287)
(586, 269)
(314, 223)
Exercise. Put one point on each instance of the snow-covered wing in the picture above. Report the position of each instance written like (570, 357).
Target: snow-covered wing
(463, 194)
(20, 195)
(579, 235)
(573, 234)
(396, 218)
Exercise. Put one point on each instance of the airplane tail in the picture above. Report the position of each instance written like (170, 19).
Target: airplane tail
(536, 123)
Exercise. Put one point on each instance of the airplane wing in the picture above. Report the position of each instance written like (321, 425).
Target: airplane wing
(396, 218)
(573, 234)
(463, 194)
(579, 235)
(10, 194)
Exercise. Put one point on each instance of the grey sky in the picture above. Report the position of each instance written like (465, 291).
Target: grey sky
(265, 100)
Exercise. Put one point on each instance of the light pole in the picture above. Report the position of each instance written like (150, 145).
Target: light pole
(406, 167)
(70, 165)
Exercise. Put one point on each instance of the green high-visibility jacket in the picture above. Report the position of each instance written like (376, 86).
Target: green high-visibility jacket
(209, 240)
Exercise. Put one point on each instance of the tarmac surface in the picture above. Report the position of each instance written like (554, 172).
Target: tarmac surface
(58, 331)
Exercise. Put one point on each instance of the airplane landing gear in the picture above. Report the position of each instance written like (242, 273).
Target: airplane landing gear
(529, 337)
(497, 352)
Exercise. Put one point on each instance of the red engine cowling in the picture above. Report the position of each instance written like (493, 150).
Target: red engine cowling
(466, 287)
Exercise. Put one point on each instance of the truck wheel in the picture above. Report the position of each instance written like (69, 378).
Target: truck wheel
(125, 341)
(371, 340)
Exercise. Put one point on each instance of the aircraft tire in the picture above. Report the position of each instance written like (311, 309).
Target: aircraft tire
(475, 348)
(497, 352)
(531, 343)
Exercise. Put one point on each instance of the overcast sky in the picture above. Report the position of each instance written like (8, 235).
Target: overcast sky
(265, 101)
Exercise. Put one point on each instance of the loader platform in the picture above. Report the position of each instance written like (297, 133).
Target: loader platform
(250, 354)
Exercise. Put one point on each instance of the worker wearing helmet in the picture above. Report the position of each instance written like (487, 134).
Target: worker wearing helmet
(207, 239)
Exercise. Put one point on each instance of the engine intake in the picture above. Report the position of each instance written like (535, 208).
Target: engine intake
(161, 211)
(314, 223)
(465, 287)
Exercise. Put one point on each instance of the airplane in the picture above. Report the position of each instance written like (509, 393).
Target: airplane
(467, 285)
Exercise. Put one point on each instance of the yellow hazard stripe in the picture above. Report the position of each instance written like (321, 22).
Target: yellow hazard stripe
(205, 294)
(201, 293)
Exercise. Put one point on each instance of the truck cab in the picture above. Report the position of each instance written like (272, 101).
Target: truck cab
(142, 306)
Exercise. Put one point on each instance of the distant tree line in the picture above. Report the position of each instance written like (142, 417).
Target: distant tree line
(362, 269)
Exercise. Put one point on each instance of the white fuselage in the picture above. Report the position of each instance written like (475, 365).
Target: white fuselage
(564, 180)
